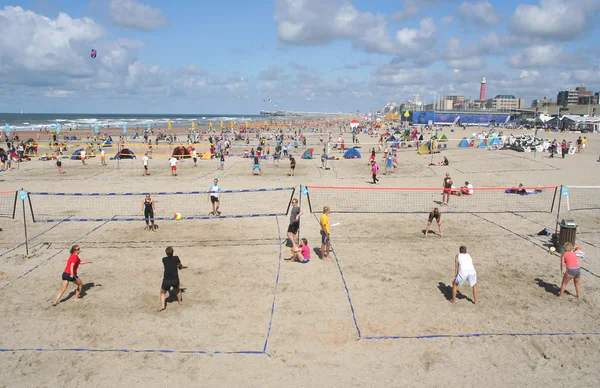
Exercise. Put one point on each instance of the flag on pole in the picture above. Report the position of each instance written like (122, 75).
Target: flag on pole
(265, 123)
(7, 130)
(169, 125)
(95, 128)
(193, 125)
(232, 123)
(124, 128)
(148, 125)
(221, 123)
(58, 129)
(246, 125)
(210, 124)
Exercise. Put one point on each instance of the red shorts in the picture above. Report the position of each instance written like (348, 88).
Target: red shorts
(447, 190)
(173, 168)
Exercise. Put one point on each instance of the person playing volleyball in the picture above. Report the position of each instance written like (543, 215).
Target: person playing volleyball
(464, 271)
(172, 265)
(70, 274)
(214, 195)
(148, 210)
(435, 213)
(447, 184)
(573, 270)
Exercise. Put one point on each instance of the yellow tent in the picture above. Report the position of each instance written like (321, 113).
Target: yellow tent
(424, 148)
(206, 155)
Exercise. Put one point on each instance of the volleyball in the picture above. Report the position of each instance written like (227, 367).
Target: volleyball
(552, 249)
(177, 216)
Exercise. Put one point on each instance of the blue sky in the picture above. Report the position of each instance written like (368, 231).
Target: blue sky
(311, 55)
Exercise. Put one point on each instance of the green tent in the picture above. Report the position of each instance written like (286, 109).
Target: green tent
(444, 137)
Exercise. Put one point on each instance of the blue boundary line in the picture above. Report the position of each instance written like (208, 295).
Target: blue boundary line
(474, 335)
(158, 351)
(33, 238)
(345, 287)
(275, 289)
(51, 257)
(132, 219)
(92, 350)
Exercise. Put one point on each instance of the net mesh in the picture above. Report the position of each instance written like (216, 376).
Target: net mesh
(55, 207)
(582, 198)
(421, 200)
(7, 203)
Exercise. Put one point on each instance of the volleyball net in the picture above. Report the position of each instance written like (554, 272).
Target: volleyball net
(580, 198)
(8, 204)
(61, 207)
(423, 200)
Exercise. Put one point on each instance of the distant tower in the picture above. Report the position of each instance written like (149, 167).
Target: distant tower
(482, 90)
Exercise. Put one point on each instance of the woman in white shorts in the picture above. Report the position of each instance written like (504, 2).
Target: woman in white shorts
(465, 272)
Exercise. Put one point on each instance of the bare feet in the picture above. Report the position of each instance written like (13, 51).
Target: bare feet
(161, 309)
(76, 299)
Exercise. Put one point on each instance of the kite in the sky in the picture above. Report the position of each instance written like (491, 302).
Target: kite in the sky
(93, 54)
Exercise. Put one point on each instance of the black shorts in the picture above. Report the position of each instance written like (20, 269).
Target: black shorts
(68, 277)
(214, 199)
(195, 159)
(146, 168)
(293, 228)
(167, 284)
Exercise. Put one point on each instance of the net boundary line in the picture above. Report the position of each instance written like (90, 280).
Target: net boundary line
(116, 194)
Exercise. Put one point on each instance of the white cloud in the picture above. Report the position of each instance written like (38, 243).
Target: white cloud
(547, 55)
(414, 38)
(560, 20)
(447, 19)
(467, 63)
(58, 93)
(411, 8)
(482, 13)
(131, 14)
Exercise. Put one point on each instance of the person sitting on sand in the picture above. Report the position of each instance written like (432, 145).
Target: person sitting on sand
(443, 162)
(467, 189)
(301, 254)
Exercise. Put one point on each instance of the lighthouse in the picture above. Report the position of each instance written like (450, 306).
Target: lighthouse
(482, 90)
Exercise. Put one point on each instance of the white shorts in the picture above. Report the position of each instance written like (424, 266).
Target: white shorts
(470, 276)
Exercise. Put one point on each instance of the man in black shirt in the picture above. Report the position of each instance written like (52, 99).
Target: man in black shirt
(447, 189)
(172, 266)
(295, 214)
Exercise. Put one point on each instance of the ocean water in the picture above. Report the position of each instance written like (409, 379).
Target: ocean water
(35, 121)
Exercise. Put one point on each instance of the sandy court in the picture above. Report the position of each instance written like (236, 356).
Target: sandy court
(314, 324)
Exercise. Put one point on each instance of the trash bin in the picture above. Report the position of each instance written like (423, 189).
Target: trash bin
(568, 230)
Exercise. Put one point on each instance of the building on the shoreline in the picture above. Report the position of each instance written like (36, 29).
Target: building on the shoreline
(578, 96)
(505, 102)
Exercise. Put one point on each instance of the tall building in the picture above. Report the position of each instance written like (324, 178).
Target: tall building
(505, 102)
(566, 97)
(482, 90)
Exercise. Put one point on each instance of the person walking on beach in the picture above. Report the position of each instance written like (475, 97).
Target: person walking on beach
(148, 210)
(173, 164)
(564, 146)
(437, 215)
(325, 227)
(214, 195)
(172, 265)
(145, 163)
(374, 171)
(102, 157)
(292, 165)
(195, 157)
(70, 274)
(447, 185)
(464, 271)
(573, 270)
(82, 155)
(295, 215)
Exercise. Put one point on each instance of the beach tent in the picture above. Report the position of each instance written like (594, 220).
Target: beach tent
(308, 153)
(354, 124)
(444, 137)
(482, 144)
(392, 138)
(75, 155)
(206, 155)
(181, 152)
(352, 153)
(464, 142)
(424, 148)
(125, 153)
(134, 136)
(398, 132)
(494, 141)
(107, 143)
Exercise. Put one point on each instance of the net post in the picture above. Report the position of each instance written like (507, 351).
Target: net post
(308, 198)
(558, 210)
(554, 198)
(15, 205)
(30, 207)
(290, 201)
